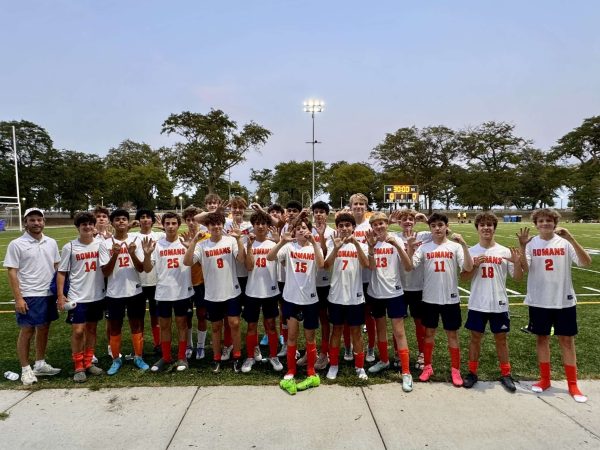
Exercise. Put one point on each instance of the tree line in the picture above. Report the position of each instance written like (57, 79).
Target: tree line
(483, 166)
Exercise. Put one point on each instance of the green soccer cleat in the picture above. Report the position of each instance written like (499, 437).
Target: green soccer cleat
(309, 382)
(289, 386)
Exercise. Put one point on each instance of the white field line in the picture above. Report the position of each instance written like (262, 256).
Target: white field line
(523, 295)
(591, 289)
(510, 291)
(464, 290)
(586, 270)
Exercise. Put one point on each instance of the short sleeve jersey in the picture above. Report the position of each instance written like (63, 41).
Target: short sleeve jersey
(549, 283)
(124, 281)
(441, 263)
(35, 263)
(360, 232)
(86, 281)
(346, 276)
(488, 285)
(300, 273)
(413, 280)
(218, 260)
(262, 279)
(246, 228)
(323, 275)
(385, 279)
(149, 279)
(174, 280)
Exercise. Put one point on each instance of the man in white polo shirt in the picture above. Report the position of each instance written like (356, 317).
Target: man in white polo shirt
(31, 261)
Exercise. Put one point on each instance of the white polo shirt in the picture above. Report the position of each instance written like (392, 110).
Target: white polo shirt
(35, 262)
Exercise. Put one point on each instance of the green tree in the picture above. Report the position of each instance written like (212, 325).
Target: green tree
(212, 145)
(264, 179)
(81, 181)
(345, 179)
(538, 178)
(293, 181)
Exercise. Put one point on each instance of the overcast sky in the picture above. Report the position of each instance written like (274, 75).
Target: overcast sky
(95, 73)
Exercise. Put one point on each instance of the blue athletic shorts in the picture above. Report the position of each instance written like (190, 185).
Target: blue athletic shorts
(42, 310)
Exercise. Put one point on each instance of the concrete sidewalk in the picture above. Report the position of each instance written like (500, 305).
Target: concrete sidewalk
(434, 415)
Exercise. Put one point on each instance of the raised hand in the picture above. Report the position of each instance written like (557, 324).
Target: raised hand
(251, 239)
(337, 240)
(515, 255)
(321, 227)
(395, 216)
(116, 247)
(420, 217)
(133, 224)
(187, 238)
(256, 207)
(371, 238)
(309, 236)
(523, 236)
(287, 237)
(235, 231)
(478, 260)
(132, 247)
(274, 233)
(563, 233)
(458, 238)
(148, 245)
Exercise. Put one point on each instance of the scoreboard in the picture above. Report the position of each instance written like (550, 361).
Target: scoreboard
(401, 193)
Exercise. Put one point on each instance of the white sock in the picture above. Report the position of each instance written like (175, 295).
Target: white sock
(39, 363)
(27, 368)
(201, 339)
(190, 343)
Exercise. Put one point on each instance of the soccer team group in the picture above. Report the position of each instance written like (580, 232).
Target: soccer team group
(338, 281)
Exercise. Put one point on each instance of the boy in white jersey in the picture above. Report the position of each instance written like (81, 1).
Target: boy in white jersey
(548, 258)
(173, 289)
(358, 206)
(443, 261)
(121, 261)
(218, 256)
(31, 261)
(346, 301)
(262, 292)
(488, 301)
(147, 219)
(386, 255)
(103, 231)
(79, 259)
(300, 302)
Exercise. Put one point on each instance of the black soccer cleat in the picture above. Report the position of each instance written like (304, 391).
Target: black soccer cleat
(470, 380)
(508, 383)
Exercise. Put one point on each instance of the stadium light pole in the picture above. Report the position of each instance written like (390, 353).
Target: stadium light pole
(181, 204)
(17, 176)
(313, 106)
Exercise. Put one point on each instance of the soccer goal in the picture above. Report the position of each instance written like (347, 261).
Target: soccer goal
(10, 219)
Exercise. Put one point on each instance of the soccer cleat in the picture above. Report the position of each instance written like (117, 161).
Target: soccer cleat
(281, 340)
(321, 361)
(237, 365)
(309, 382)
(348, 355)
(45, 370)
(302, 361)
(276, 364)
(332, 372)
(288, 385)
(79, 377)
(420, 362)
(115, 366)
(94, 370)
(379, 366)
(94, 359)
(579, 398)
(215, 366)
(265, 340)
(258, 357)
(140, 363)
(470, 380)
(110, 353)
(540, 386)
(370, 357)
(288, 376)
(247, 366)
(407, 384)
(426, 373)
(226, 353)
(456, 378)
(128, 357)
(506, 381)
(159, 366)
(200, 353)
(27, 377)
(361, 374)
(189, 351)
(181, 365)
(283, 352)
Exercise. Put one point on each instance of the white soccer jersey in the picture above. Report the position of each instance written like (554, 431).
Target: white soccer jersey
(413, 280)
(174, 279)
(262, 279)
(385, 279)
(246, 228)
(488, 285)
(300, 273)
(549, 283)
(86, 282)
(442, 264)
(346, 276)
(149, 279)
(35, 263)
(323, 275)
(360, 232)
(218, 260)
(124, 281)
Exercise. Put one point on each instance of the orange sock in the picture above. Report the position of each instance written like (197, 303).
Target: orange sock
(427, 353)
(78, 361)
(115, 345)
(311, 358)
(227, 340)
(138, 343)
(88, 354)
(237, 354)
(359, 360)
(454, 357)
(251, 343)
(291, 359)
(404, 360)
(334, 356)
(181, 349)
(272, 344)
(165, 346)
(571, 374)
(544, 382)
(505, 369)
(473, 367)
(383, 351)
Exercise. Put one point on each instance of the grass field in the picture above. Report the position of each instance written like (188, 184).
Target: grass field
(522, 345)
